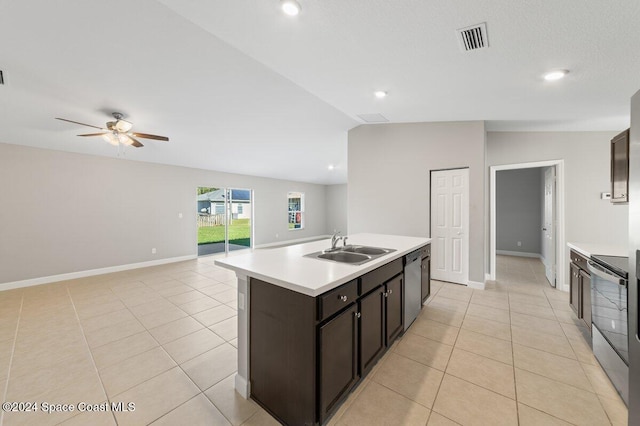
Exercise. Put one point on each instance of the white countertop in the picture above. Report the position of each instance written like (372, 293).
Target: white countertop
(588, 249)
(287, 267)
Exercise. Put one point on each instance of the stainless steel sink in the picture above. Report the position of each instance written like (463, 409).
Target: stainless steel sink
(351, 254)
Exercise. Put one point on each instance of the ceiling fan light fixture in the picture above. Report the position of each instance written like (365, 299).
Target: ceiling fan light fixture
(290, 7)
(380, 94)
(111, 138)
(123, 125)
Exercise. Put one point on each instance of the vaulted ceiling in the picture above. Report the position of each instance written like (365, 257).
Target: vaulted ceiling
(240, 87)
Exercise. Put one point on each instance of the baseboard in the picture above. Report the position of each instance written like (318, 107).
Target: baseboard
(518, 253)
(487, 277)
(292, 242)
(242, 386)
(91, 272)
(475, 285)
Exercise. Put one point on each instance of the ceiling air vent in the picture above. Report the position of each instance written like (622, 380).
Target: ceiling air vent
(373, 118)
(473, 37)
(1, 77)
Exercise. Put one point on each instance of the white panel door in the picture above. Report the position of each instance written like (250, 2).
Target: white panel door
(450, 225)
(549, 225)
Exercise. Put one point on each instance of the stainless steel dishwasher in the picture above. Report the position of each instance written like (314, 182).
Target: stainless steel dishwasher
(412, 287)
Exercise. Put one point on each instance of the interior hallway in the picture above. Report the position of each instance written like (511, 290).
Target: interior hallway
(164, 338)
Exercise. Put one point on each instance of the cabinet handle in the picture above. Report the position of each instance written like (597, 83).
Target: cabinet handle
(385, 294)
(343, 298)
(357, 314)
(390, 291)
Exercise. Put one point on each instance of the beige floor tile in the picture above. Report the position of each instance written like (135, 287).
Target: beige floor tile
(443, 316)
(261, 418)
(573, 331)
(533, 310)
(135, 370)
(92, 310)
(558, 345)
(425, 351)
(476, 400)
(192, 345)
(527, 299)
(566, 402)
(480, 344)
(552, 366)
(448, 304)
(174, 290)
(377, 405)
(105, 320)
(567, 317)
(234, 342)
(457, 292)
(234, 407)
(485, 372)
(175, 329)
(212, 366)
(156, 397)
(198, 411)
(497, 301)
(215, 289)
(227, 329)
(541, 325)
(93, 418)
(436, 419)
(615, 409)
(434, 330)
(199, 305)
(187, 297)
(487, 327)
(560, 305)
(409, 378)
(487, 312)
(215, 315)
(599, 381)
(113, 332)
(151, 307)
(226, 296)
(531, 417)
(164, 316)
(583, 351)
(118, 351)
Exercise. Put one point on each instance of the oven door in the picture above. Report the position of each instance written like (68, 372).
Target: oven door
(609, 321)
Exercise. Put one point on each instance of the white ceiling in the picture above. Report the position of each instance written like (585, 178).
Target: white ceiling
(240, 87)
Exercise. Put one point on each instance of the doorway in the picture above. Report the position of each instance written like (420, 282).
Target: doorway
(549, 228)
(450, 225)
(224, 220)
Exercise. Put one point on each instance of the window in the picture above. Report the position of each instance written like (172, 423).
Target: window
(239, 208)
(219, 208)
(296, 210)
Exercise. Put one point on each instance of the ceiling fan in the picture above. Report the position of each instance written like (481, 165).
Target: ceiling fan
(119, 132)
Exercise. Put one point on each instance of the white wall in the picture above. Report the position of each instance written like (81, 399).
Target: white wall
(587, 172)
(63, 212)
(519, 210)
(336, 208)
(389, 172)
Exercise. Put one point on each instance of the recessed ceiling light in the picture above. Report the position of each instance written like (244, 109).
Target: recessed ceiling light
(290, 7)
(555, 75)
(380, 94)
(331, 167)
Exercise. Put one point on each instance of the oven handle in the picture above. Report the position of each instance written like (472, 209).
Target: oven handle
(599, 271)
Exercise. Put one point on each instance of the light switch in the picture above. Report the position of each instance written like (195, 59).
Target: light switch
(605, 195)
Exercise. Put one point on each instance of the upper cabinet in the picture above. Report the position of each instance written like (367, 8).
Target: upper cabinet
(620, 168)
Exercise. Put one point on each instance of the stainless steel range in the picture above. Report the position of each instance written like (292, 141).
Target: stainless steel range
(609, 318)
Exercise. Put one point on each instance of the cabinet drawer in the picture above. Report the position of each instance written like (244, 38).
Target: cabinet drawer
(425, 251)
(579, 260)
(336, 299)
(379, 276)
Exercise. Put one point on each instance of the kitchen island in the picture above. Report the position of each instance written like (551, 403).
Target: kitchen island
(304, 339)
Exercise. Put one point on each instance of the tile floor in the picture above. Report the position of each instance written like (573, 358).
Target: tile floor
(164, 338)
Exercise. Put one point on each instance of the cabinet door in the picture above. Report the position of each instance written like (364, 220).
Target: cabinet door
(371, 329)
(574, 289)
(620, 168)
(394, 309)
(585, 291)
(426, 277)
(338, 354)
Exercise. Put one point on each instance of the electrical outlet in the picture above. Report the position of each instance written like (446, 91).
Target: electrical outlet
(519, 243)
(153, 250)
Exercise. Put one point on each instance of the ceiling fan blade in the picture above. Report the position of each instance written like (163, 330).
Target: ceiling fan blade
(82, 124)
(148, 136)
(94, 134)
(136, 142)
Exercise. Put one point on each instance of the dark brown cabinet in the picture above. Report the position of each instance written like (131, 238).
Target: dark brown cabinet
(426, 273)
(307, 353)
(620, 168)
(338, 356)
(580, 287)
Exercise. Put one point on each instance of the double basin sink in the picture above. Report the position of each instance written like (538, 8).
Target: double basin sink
(351, 254)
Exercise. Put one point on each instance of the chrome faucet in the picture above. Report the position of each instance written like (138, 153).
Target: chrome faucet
(334, 240)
